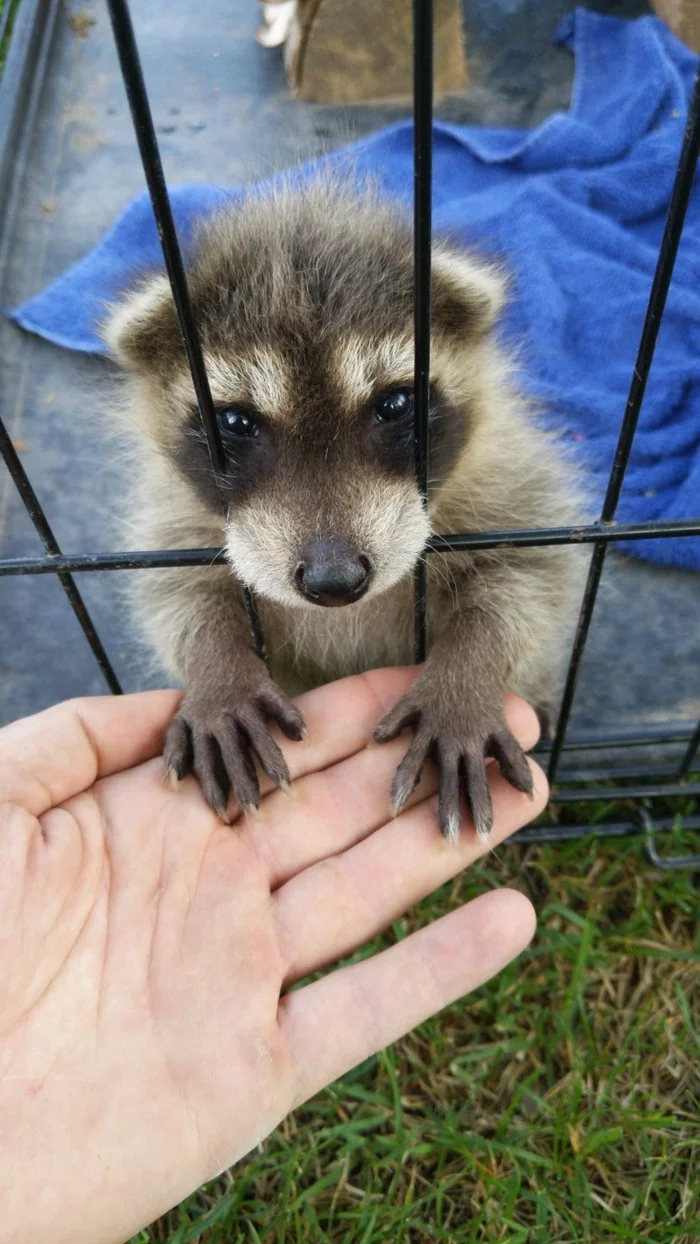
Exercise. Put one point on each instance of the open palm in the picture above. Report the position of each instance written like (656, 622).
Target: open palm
(146, 1038)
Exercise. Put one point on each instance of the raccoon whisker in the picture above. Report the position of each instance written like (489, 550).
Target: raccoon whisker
(445, 575)
(304, 300)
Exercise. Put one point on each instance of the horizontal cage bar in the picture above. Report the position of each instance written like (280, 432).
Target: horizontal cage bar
(616, 773)
(592, 533)
(660, 734)
(613, 829)
(615, 793)
(143, 559)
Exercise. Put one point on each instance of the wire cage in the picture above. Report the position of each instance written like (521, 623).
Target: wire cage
(634, 786)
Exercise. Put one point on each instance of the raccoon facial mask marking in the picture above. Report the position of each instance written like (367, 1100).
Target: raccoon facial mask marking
(304, 306)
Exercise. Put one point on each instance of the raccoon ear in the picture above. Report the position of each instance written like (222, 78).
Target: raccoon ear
(468, 295)
(142, 329)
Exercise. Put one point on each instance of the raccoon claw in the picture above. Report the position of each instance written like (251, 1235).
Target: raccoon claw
(219, 745)
(460, 754)
(407, 775)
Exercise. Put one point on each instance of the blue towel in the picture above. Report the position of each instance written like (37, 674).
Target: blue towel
(576, 208)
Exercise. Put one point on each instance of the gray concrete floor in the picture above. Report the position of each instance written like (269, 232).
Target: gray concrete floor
(224, 114)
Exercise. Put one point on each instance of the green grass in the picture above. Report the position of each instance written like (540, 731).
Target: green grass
(5, 41)
(557, 1105)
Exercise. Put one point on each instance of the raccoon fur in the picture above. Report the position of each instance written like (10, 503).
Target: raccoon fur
(304, 304)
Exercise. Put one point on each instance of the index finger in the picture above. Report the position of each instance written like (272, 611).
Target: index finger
(47, 758)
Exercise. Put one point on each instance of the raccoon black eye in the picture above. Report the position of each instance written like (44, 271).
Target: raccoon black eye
(237, 423)
(393, 405)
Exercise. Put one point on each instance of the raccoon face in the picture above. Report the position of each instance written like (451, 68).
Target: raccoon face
(304, 304)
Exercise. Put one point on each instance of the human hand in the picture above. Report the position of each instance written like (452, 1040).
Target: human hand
(144, 945)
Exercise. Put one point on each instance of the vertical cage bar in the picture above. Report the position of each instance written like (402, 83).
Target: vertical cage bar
(678, 206)
(36, 513)
(686, 764)
(422, 221)
(139, 106)
(140, 109)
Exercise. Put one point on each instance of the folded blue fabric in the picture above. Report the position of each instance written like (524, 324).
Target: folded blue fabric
(576, 209)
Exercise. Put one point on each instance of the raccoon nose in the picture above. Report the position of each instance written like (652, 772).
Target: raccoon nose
(332, 573)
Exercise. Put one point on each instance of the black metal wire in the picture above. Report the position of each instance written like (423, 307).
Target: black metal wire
(591, 534)
(661, 734)
(140, 108)
(36, 513)
(614, 773)
(664, 790)
(678, 206)
(690, 754)
(422, 223)
(600, 534)
(148, 559)
(668, 862)
(609, 829)
(142, 560)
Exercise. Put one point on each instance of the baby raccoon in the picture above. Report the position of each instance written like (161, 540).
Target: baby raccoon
(304, 305)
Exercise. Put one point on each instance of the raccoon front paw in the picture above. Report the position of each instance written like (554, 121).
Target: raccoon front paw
(460, 737)
(218, 736)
